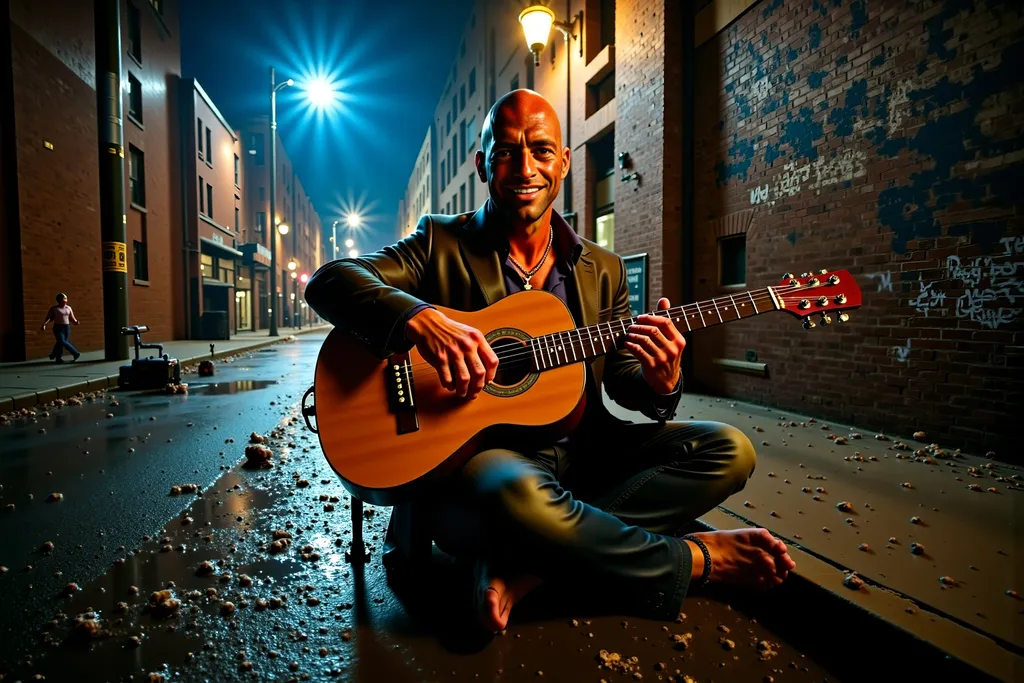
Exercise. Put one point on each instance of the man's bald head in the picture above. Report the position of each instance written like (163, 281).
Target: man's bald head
(517, 105)
(521, 157)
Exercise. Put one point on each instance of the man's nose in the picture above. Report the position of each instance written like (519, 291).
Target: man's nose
(527, 168)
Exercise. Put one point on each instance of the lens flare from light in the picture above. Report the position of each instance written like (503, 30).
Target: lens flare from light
(354, 220)
(321, 93)
(353, 253)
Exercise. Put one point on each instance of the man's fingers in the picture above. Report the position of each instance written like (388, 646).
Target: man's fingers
(651, 347)
(478, 375)
(462, 375)
(444, 371)
(490, 361)
(640, 354)
(649, 331)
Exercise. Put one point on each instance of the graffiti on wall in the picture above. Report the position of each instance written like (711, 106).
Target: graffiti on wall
(901, 353)
(795, 178)
(884, 280)
(871, 122)
(993, 292)
(928, 298)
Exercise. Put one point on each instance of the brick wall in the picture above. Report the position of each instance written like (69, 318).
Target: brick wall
(649, 128)
(58, 189)
(876, 137)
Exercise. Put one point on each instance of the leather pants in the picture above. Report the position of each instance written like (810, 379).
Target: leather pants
(602, 512)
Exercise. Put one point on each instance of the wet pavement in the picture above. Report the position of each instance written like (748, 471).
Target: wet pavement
(239, 608)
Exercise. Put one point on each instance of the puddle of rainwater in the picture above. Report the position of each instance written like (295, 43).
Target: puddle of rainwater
(266, 351)
(233, 387)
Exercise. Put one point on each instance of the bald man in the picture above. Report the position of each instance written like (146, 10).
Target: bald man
(603, 507)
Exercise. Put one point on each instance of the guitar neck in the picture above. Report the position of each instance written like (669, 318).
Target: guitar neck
(583, 343)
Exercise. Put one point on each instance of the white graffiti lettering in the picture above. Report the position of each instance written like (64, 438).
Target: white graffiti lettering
(927, 299)
(1012, 245)
(760, 89)
(897, 99)
(1002, 284)
(902, 352)
(759, 194)
(884, 280)
(817, 174)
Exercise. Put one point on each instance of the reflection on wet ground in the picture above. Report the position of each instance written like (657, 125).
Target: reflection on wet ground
(233, 387)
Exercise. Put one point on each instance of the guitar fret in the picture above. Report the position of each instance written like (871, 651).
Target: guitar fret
(533, 349)
(590, 336)
(572, 346)
(547, 348)
(701, 316)
(752, 303)
(735, 307)
(600, 336)
(717, 312)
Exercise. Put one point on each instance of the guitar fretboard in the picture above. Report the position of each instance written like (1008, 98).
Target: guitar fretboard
(582, 343)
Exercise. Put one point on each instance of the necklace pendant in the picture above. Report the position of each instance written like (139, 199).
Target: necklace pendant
(526, 285)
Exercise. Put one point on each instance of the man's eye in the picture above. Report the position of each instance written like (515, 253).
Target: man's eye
(544, 152)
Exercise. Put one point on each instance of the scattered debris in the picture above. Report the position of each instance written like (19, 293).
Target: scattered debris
(844, 506)
(864, 547)
(916, 549)
(947, 580)
(853, 581)
(681, 641)
(55, 497)
(915, 520)
(613, 661)
(726, 644)
(258, 457)
(920, 436)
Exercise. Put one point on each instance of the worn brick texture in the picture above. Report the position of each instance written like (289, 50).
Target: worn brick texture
(648, 127)
(876, 137)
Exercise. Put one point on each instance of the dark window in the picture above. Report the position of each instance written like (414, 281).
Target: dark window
(263, 194)
(238, 219)
(462, 198)
(134, 32)
(256, 148)
(455, 107)
(209, 148)
(202, 205)
(443, 183)
(140, 254)
(514, 85)
(209, 200)
(601, 93)
(462, 141)
(472, 192)
(261, 221)
(237, 179)
(137, 175)
(732, 258)
(607, 22)
(462, 98)
(134, 98)
(199, 136)
(472, 81)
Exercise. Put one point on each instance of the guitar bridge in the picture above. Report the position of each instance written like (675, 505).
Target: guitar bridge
(401, 395)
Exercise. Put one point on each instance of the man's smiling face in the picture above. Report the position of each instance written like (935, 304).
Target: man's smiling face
(523, 161)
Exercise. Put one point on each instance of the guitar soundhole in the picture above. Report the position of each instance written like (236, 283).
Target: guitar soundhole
(514, 361)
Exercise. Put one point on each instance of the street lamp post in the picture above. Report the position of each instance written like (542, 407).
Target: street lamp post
(274, 87)
(334, 240)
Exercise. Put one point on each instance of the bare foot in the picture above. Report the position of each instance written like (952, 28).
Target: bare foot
(746, 557)
(495, 596)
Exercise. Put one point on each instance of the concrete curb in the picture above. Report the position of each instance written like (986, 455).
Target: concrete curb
(33, 398)
(886, 636)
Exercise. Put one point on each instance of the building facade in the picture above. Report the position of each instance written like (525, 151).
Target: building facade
(211, 262)
(721, 144)
(197, 243)
(300, 250)
(50, 231)
(419, 195)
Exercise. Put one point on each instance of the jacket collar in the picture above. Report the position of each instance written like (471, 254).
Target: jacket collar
(484, 250)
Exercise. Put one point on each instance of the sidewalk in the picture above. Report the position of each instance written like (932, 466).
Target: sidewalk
(23, 385)
(965, 512)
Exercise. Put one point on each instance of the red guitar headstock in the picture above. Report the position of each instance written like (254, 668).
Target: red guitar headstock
(818, 294)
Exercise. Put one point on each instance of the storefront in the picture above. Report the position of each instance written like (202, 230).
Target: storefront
(218, 264)
(253, 299)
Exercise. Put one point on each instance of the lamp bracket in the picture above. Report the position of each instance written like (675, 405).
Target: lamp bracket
(568, 29)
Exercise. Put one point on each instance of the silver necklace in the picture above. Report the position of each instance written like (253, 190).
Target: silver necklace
(529, 274)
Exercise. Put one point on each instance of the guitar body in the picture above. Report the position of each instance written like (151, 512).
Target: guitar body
(361, 425)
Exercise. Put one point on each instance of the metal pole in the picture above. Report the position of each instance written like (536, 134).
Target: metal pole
(273, 205)
(334, 231)
(113, 230)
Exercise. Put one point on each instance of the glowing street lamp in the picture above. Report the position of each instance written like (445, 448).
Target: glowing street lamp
(349, 243)
(292, 265)
(537, 22)
(354, 220)
(319, 93)
(352, 253)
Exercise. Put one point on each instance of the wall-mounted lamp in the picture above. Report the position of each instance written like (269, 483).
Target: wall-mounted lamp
(625, 163)
(282, 228)
(537, 21)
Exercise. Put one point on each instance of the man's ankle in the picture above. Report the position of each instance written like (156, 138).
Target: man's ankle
(697, 560)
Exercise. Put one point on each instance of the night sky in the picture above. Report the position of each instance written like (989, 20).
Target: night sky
(387, 59)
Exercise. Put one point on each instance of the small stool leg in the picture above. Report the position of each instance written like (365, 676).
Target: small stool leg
(357, 549)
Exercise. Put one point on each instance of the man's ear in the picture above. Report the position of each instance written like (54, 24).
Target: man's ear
(481, 165)
(566, 161)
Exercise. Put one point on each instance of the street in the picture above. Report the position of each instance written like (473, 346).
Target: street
(120, 537)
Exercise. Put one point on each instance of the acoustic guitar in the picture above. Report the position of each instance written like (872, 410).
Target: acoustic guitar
(389, 429)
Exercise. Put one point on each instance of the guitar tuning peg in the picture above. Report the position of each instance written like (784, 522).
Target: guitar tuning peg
(788, 276)
(804, 274)
(822, 271)
(808, 323)
(825, 319)
(843, 317)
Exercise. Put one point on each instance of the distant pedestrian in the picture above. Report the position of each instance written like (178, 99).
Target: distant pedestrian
(62, 317)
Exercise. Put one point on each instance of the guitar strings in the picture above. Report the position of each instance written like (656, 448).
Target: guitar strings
(526, 350)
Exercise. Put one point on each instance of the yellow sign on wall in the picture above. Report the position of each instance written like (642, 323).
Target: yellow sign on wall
(115, 257)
